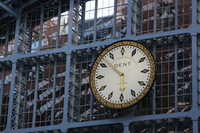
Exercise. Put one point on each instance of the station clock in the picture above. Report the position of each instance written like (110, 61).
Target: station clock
(122, 74)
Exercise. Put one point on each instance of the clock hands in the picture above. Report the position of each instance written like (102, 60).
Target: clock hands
(121, 74)
(122, 87)
(110, 64)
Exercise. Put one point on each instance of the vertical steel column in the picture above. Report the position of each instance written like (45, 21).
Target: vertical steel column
(41, 25)
(78, 89)
(130, 16)
(30, 32)
(54, 89)
(114, 19)
(95, 21)
(154, 86)
(35, 92)
(17, 33)
(13, 73)
(198, 54)
(194, 56)
(126, 128)
(176, 75)
(131, 26)
(197, 12)
(11, 95)
(25, 94)
(154, 16)
(91, 95)
(137, 17)
(58, 24)
(153, 127)
(68, 65)
(91, 107)
(18, 108)
(1, 89)
(198, 66)
(19, 76)
(75, 21)
(195, 72)
(139, 29)
(175, 82)
(175, 126)
(66, 93)
(195, 126)
(176, 15)
(195, 88)
(70, 33)
(7, 37)
(23, 34)
(18, 102)
(82, 23)
(195, 3)
(72, 89)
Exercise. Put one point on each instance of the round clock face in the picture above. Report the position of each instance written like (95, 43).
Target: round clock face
(122, 74)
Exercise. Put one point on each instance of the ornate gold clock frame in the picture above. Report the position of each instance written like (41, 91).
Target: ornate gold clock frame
(122, 74)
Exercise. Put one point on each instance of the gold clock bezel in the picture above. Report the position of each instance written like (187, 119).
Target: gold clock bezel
(148, 86)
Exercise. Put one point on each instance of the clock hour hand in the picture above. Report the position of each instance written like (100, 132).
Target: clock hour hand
(122, 87)
(121, 74)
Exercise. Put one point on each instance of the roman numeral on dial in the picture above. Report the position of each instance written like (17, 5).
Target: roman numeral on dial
(100, 77)
(102, 88)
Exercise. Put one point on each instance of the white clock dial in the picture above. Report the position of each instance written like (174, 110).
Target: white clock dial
(122, 74)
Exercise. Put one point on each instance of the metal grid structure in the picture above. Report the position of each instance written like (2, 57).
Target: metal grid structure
(47, 48)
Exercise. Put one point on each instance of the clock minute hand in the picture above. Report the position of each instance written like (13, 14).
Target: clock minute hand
(110, 64)
(122, 87)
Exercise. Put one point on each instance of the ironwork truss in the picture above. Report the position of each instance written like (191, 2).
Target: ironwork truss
(47, 48)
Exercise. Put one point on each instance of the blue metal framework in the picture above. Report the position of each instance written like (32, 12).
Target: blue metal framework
(47, 48)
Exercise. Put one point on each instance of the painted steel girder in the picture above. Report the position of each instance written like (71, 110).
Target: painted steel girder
(8, 9)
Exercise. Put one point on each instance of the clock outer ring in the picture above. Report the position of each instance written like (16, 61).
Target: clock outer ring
(150, 83)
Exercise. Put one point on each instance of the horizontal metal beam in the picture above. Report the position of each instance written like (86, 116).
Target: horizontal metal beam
(8, 9)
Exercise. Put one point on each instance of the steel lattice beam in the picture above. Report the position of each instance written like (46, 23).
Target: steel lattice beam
(8, 9)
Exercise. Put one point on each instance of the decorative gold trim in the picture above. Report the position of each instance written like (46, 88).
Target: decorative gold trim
(146, 89)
